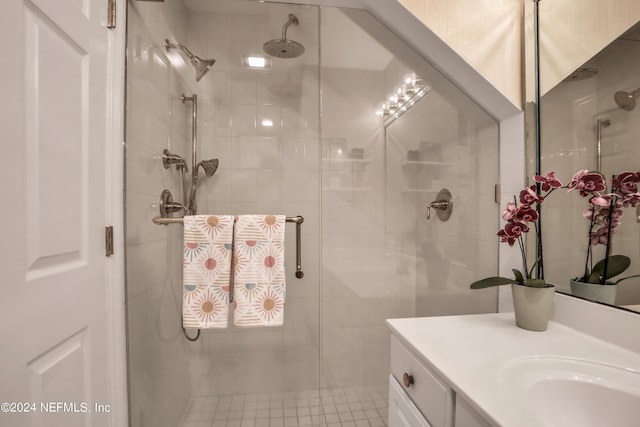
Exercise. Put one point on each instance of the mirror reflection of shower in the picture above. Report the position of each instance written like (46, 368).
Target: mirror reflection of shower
(201, 66)
(600, 123)
(626, 100)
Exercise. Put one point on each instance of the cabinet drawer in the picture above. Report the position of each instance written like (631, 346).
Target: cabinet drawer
(402, 411)
(430, 394)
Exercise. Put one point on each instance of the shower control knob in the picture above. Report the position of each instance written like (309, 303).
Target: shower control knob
(407, 380)
(443, 205)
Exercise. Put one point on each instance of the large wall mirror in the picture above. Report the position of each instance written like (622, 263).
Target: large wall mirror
(589, 119)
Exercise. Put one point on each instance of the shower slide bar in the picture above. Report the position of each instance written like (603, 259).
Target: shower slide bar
(297, 219)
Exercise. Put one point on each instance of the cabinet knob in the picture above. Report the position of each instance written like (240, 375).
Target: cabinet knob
(407, 380)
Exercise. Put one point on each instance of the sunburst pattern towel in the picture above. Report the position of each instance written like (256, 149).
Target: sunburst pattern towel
(259, 280)
(206, 270)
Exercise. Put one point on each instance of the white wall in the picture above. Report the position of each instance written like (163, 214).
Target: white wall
(486, 33)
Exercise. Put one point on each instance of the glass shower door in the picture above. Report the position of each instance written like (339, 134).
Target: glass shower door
(394, 132)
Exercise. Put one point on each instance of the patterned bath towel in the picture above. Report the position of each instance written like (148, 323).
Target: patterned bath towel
(206, 271)
(259, 280)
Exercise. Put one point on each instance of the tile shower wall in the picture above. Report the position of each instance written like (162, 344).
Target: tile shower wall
(263, 127)
(159, 356)
(569, 114)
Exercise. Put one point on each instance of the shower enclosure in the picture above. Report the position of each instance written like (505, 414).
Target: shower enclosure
(353, 131)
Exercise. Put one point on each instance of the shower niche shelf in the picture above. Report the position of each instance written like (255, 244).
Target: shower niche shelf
(419, 190)
(346, 159)
(345, 163)
(348, 189)
(423, 163)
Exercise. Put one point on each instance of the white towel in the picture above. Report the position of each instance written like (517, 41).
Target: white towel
(206, 271)
(259, 279)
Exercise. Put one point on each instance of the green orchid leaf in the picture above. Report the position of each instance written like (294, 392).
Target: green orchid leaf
(519, 277)
(535, 283)
(617, 264)
(491, 281)
(625, 278)
(594, 277)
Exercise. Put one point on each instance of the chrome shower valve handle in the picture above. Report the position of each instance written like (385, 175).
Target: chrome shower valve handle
(440, 205)
(443, 205)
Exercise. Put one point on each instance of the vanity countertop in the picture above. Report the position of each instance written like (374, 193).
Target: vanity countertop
(471, 351)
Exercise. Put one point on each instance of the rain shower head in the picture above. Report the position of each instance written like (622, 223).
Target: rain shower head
(209, 166)
(580, 74)
(200, 65)
(626, 100)
(283, 48)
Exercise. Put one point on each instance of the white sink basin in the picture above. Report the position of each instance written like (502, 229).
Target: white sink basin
(572, 392)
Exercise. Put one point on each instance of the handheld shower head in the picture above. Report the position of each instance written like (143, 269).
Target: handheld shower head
(209, 166)
(626, 100)
(169, 159)
(201, 66)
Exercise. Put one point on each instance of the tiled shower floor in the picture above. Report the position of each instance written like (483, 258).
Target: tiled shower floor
(341, 407)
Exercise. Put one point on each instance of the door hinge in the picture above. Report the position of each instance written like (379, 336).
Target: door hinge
(108, 240)
(496, 193)
(111, 13)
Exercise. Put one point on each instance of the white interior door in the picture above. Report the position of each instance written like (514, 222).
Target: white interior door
(53, 286)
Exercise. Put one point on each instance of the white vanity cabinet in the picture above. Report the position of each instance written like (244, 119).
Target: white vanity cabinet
(418, 397)
(432, 396)
(481, 370)
(466, 416)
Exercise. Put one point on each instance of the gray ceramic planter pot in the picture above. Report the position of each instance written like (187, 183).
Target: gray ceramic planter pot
(595, 291)
(533, 306)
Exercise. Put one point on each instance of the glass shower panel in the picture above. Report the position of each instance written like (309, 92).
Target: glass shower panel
(263, 126)
(380, 257)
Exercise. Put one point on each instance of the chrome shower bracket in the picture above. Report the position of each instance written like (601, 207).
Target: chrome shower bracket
(167, 206)
(443, 205)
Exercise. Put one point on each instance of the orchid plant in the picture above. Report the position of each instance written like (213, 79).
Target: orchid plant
(604, 214)
(521, 215)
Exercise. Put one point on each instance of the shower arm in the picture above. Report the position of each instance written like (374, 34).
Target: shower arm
(292, 20)
(192, 207)
(184, 49)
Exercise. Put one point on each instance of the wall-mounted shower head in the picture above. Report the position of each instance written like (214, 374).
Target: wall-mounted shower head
(626, 100)
(169, 159)
(200, 65)
(580, 74)
(283, 48)
(209, 166)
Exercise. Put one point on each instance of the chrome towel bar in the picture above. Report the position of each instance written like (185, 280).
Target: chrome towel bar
(297, 219)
